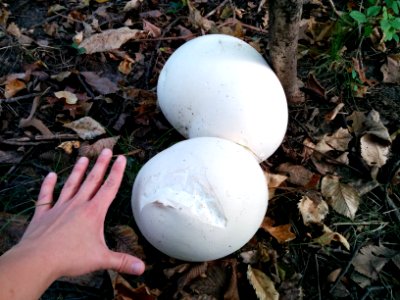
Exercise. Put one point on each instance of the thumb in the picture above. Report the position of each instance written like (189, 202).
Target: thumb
(125, 263)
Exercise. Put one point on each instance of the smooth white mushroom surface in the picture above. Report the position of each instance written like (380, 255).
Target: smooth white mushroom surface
(218, 85)
(200, 199)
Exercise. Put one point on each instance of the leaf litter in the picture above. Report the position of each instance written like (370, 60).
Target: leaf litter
(327, 193)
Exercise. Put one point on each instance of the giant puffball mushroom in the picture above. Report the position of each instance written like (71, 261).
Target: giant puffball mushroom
(218, 85)
(200, 199)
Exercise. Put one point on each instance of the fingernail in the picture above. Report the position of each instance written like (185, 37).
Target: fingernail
(105, 151)
(137, 267)
(51, 174)
(81, 160)
(120, 159)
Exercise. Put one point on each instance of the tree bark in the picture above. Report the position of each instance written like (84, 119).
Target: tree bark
(285, 16)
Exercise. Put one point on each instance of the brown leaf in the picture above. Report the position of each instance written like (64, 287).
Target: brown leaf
(177, 269)
(12, 228)
(152, 29)
(94, 150)
(124, 291)
(274, 181)
(281, 233)
(339, 140)
(328, 236)
(13, 87)
(131, 5)
(101, 84)
(361, 72)
(313, 210)
(342, 197)
(126, 240)
(125, 67)
(262, 284)
(69, 146)
(298, 175)
(371, 260)
(391, 70)
(70, 98)
(14, 30)
(315, 86)
(194, 272)
(197, 20)
(332, 115)
(86, 127)
(38, 124)
(9, 157)
(109, 39)
(374, 153)
(356, 120)
(232, 292)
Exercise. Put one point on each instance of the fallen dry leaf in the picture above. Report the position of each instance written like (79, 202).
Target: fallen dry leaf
(391, 70)
(339, 140)
(328, 236)
(374, 153)
(343, 198)
(169, 272)
(371, 260)
(69, 146)
(299, 175)
(356, 122)
(61, 76)
(125, 67)
(332, 114)
(94, 150)
(281, 233)
(313, 210)
(13, 87)
(262, 284)
(9, 157)
(101, 84)
(152, 29)
(131, 5)
(110, 39)
(14, 30)
(70, 98)
(124, 291)
(274, 181)
(126, 240)
(86, 128)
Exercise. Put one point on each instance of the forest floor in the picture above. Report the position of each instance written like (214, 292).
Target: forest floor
(332, 229)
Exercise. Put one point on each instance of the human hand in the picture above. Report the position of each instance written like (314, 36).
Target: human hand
(70, 233)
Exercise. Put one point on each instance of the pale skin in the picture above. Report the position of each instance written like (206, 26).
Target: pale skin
(66, 237)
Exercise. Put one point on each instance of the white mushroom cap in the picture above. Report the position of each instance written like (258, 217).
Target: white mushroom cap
(217, 85)
(200, 199)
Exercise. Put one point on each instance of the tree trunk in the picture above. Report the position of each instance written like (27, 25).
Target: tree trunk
(285, 16)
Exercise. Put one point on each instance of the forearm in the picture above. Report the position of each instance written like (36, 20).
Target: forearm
(25, 273)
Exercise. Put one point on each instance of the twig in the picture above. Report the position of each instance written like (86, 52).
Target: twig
(215, 9)
(39, 139)
(16, 99)
(244, 25)
(87, 89)
(150, 66)
(318, 283)
(392, 205)
(334, 8)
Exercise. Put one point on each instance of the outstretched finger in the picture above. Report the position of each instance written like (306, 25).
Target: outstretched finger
(45, 200)
(74, 180)
(109, 189)
(95, 177)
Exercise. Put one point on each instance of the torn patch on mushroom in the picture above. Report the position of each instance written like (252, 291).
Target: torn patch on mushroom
(188, 194)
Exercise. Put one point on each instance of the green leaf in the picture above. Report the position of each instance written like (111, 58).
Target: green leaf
(396, 37)
(358, 16)
(385, 25)
(395, 23)
(373, 11)
(368, 30)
